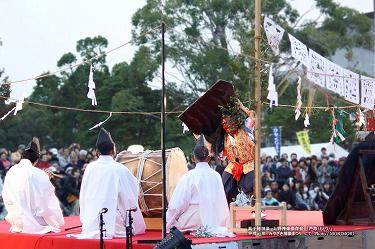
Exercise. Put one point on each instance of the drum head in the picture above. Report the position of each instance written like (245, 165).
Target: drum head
(147, 167)
(176, 168)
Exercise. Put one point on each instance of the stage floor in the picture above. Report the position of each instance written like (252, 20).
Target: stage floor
(306, 219)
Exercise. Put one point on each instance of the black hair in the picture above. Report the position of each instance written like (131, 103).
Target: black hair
(201, 153)
(105, 148)
(75, 169)
(30, 155)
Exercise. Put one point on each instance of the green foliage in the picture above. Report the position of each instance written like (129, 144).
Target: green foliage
(233, 111)
(89, 48)
(67, 59)
(201, 35)
(200, 39)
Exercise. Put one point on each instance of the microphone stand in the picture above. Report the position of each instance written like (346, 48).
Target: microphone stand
(102, 231)
(129, 230)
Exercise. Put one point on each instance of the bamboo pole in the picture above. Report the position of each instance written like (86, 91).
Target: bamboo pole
(258, 109)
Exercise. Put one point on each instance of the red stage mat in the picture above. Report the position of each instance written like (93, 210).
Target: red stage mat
(60, 241)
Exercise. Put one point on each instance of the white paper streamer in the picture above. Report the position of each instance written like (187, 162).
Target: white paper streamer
(367, 92)
(100, 123)
(317, 68)
(91, 86)
(184, 128)
(299, 99)
(342, 138)
(19, 104)
(306, 122)
(274, 34)
(272, 93)
(351, 86)
(17, 108)
(7, 114)
(361, 118)
(299, 51)
(334, 78)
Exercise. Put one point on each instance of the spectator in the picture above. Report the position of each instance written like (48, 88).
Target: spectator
(327, 189)
(53, 156)
(71, 185)
(275, 189)
(73, 160)
(64, 158)
(311, 176)
(336, 169)
(90, 157)
(81, 158)
(303, 169)
(21, 148)
(293, 156)
(267, 179)
(285, 156)
(324, 171)
(296, 170)
(269, 200)
(323, 151)
(301, 203)
(283, 172)
(15, 158)
(4, 161)
(285, 195)
(263, 158)
(43, 162)
(269, 166)
(74, 147)
(320, 199)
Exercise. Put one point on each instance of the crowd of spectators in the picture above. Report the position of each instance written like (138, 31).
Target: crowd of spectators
(65, 167)
(304, 183)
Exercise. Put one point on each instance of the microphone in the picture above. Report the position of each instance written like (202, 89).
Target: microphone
(132, 209)
(103, 211)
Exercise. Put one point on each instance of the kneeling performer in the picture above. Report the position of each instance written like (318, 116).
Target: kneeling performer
(199, 198)
(108, 185)
(29, 196)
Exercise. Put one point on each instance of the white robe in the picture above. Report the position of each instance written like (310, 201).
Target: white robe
(109, 184)
(200, 187)
(30, 200)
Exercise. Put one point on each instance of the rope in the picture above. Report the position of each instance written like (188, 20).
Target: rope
(78, 64)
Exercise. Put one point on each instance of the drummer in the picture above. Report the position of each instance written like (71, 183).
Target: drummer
(108, 187)
(199, 198)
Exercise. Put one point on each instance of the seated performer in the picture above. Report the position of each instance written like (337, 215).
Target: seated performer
(29, 196)
(199, 198)
(108, 184)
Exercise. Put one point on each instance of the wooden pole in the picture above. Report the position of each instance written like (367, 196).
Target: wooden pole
(163, 133)
(258, 109)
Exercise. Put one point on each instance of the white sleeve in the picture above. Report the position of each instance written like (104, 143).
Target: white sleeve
(82, 193)
(129, 191)
(179, 202)
(45, 200)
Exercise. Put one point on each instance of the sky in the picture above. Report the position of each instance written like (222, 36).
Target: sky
(36, 33)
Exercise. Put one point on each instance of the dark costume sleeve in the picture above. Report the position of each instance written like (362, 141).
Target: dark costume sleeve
(339, 197)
